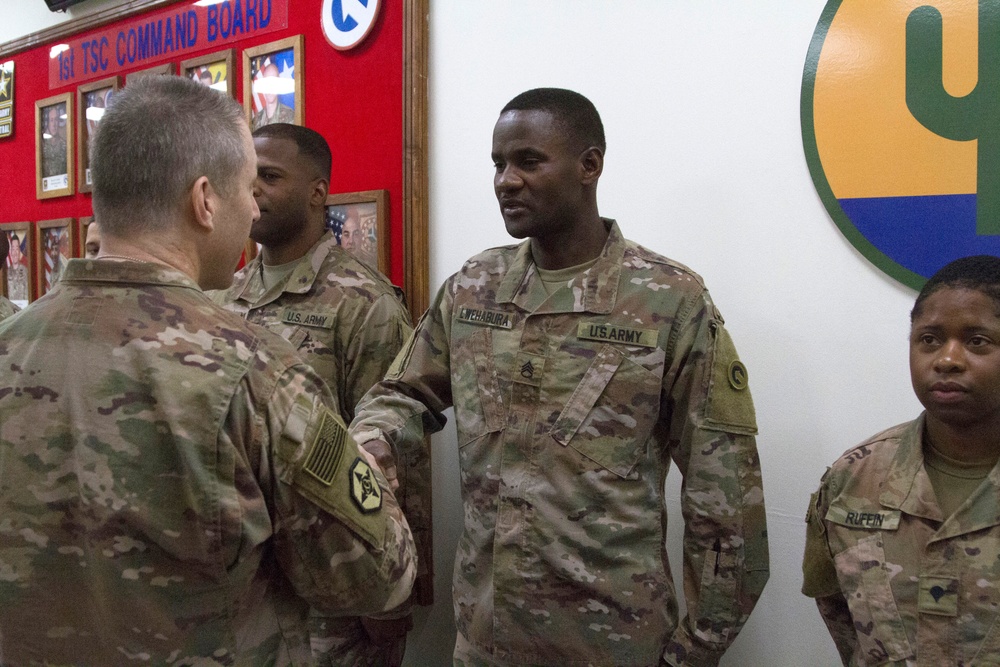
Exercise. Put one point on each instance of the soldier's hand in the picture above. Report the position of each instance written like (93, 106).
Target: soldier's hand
(389, 634)
(382, 453)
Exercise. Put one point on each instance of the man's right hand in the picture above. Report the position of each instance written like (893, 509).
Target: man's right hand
(381, 451)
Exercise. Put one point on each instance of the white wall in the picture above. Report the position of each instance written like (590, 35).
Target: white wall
(700, 102)
(705, 164)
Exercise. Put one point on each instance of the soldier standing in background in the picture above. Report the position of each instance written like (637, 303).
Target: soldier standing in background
(6, 307)
(345, 321)
(902, 539)
(579, 365)
(176, 485)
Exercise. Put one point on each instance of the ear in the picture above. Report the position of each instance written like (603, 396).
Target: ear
(321, 187)
(204, 203)
(591, 165)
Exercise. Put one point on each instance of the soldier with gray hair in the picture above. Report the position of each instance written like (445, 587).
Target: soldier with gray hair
(579, 364)
(176, 485)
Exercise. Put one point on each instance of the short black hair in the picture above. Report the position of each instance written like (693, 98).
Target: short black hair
(977, 272)
(574, 111)
(4, 247)
(311, 143)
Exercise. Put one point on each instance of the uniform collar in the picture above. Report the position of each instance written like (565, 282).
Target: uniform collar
(908, 488)
(593, 291)
(114, 271)
(248, 284)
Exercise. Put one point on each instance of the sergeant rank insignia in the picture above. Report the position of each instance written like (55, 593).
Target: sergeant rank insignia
(364, 489)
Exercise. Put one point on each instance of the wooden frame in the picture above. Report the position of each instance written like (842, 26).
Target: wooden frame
(276, 54)
(87, 97)
(193, 67)
(415, 139)
(54, 163)
(19, 287)
(55, 243)
(165, 69)
(360, 221)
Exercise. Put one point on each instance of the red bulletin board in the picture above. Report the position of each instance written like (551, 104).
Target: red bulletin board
(369, 103)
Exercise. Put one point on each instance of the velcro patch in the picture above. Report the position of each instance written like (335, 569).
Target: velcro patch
(364, 488)
(864, 519)
(327, 450)
(938, 596)
(307, 319)
(612, 333)
(489, 318)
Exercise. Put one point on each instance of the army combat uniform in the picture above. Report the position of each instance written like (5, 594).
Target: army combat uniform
(176, 487)
(347, 323)
(7, 308)
(569, 409)
(897, 582)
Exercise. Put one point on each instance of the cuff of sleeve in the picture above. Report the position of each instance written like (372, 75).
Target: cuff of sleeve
(402, 611)
(684, 651)
(365, 435)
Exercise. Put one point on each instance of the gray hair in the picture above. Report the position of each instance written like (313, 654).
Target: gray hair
(159, 135)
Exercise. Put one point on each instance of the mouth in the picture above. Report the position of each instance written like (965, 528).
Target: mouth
(512, 207)
(948, 391)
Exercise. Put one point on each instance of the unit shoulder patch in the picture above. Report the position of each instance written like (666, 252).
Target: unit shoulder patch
(365, 491)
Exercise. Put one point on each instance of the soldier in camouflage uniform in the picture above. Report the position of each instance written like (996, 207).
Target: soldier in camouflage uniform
(579, 364)
(903, 537)
(176, 485)
(341, 315)
(54, 146)
(6, 307)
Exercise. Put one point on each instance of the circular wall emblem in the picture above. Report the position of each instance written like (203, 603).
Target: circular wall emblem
(900, 108)
(347, 22)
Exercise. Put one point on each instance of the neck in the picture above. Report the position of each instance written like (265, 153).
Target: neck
(164, 251)
(294, 248)
(579, 245)
(979, 444)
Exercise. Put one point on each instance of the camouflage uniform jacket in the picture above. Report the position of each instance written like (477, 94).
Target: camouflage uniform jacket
(897, 582)
(7, 308)
(569, 409)
(347, 323)
(175, 484)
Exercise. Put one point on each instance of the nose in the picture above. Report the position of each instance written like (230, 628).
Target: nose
(950, 357)
(507, 179)
(256, 209)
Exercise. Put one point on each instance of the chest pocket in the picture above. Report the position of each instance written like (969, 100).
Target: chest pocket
(474, 376)
(611, 413)
(864, 579)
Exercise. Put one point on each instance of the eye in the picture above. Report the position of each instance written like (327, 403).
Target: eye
(926, 339)
(979, 341)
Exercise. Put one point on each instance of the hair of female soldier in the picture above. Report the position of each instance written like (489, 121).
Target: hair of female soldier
(977, 272)
(158, 136)
(574, 111)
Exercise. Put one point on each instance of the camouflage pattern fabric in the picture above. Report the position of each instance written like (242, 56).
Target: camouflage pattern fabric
(54, 156)
(282, 114)
(176, 486)
(7, 308)
(346, 322)
(569, 410)
(897, 582)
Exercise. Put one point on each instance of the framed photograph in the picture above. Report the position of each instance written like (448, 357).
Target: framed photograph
(91, 99)
(166, 69)
(20, 266)
(272, 83)
(214, 70)
(360, 221)
(89, 238)
(53, 141)
(55, 243)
